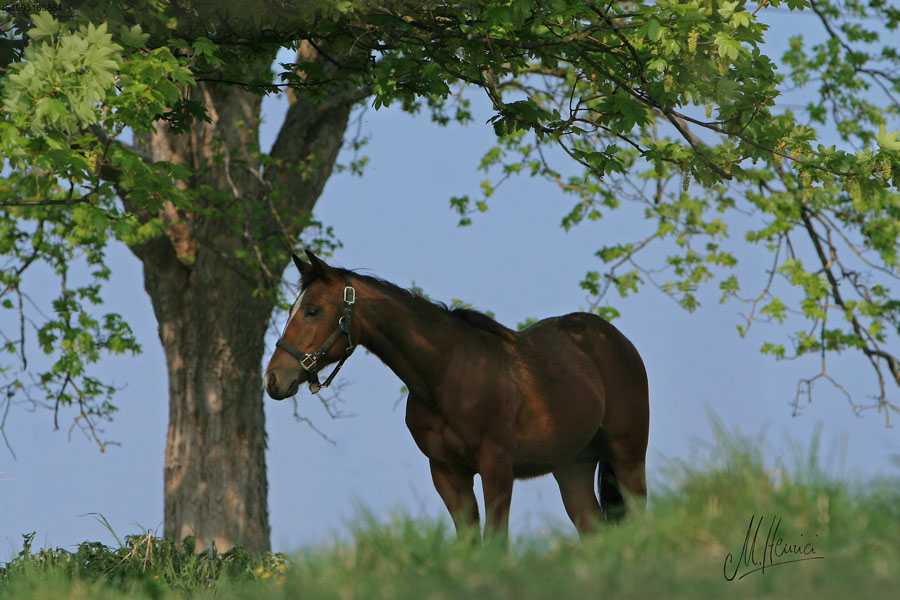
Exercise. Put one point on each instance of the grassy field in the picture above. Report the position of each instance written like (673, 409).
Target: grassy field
(698, 515)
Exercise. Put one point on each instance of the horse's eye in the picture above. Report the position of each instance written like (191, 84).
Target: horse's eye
(311, 311)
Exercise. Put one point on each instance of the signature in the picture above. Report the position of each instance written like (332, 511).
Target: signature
(775, 550)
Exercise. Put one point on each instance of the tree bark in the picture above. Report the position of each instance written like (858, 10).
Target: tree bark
(212, 330)
(213, 310)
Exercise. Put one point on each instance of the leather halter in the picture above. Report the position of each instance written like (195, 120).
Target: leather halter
(310, 362)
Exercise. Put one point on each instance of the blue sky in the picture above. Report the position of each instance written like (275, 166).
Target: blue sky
(514, 260)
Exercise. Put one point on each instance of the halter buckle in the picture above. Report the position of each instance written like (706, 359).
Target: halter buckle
(349, 295)
(313, 360)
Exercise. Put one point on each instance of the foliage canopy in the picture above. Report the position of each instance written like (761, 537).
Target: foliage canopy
(669, 106)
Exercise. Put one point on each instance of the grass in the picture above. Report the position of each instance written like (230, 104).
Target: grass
(698, 514)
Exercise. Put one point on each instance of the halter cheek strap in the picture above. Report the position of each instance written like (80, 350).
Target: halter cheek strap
(310, 362)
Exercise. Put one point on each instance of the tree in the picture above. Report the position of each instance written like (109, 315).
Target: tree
(206, 213)
(613, 89)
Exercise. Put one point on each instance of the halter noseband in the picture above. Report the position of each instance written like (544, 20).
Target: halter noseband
(310, 362)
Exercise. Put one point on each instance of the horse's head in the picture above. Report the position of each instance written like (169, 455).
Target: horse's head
(320, 315)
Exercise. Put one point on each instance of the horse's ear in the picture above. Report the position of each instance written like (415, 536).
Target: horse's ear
(301, 266)
(320, 267)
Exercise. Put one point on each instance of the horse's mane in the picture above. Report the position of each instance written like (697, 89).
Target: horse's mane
(468, 316)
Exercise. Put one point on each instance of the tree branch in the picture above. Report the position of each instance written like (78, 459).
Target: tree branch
(306, 148)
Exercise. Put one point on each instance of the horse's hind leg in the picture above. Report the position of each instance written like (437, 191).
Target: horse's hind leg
(631, 476)
(627, 471)
(576, 486)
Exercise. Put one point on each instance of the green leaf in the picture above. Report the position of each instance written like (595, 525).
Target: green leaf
(607, 312)
(727, 9)
(653, 29)
(888, 140)
(45, 26)
(134, 37)
(741, 19)
(204, 47)
(728, 47)
(727, 89)
(169, 91)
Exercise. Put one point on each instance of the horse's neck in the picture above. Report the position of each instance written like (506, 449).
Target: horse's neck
(404, 334)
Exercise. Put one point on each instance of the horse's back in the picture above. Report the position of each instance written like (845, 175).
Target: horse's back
(593, 335)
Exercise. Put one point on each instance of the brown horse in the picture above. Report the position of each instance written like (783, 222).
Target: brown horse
(563, 396)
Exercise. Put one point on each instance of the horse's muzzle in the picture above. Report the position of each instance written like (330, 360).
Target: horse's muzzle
(280, 388)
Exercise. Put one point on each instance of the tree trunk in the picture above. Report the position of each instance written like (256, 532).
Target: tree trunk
(212, 330)
(213, 310)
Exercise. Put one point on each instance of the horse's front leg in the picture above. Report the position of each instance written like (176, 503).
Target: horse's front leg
(454, 485)
(496, 468)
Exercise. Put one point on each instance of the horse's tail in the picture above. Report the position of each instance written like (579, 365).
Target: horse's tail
(611, 501)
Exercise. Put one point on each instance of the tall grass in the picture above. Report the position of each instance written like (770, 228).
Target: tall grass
(699, 512)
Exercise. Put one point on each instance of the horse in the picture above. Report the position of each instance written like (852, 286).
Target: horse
(567, 395)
